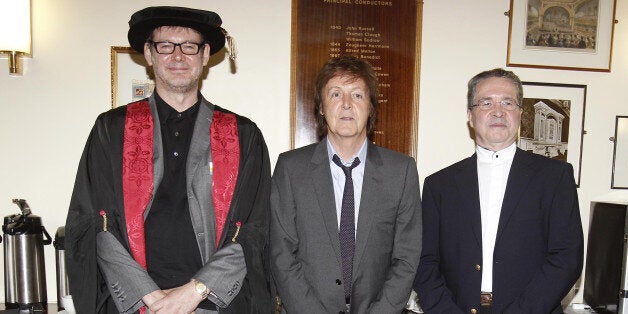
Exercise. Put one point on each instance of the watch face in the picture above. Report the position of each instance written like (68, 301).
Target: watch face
(201, 288)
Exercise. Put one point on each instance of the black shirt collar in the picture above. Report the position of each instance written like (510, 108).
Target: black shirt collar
(166, 112)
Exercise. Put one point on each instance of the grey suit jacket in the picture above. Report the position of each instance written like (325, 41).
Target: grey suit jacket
(224, 270)
(305, 249)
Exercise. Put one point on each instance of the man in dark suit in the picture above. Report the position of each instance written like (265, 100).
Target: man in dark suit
(502, 228)
(345, 214)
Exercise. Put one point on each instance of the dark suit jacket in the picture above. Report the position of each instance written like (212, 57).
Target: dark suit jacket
(539, 245)
(305, 250)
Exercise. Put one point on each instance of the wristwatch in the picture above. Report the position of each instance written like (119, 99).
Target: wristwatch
(201, 288)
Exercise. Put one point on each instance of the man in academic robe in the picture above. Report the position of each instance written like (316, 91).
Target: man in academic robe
(169, 212)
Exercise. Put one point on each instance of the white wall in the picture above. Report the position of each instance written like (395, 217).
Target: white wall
(48, 112)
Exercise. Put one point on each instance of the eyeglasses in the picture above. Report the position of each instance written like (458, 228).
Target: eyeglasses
(487, 104)
(166, 47)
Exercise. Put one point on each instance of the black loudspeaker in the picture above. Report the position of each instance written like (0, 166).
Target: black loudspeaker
(605, 272)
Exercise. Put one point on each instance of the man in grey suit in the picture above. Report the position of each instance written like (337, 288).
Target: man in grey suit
(170, 207)
(345, 214)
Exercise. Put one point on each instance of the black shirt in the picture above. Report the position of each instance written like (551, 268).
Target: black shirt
(172, 254)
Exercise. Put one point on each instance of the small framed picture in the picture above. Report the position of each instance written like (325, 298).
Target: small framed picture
(619, 178)
(131, 77)
(552, 122)
(566, 34)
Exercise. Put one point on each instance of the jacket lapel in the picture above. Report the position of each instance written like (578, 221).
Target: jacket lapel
(369, 200)
(467, 184)
(323, 185)
(521, 172)
(199, 179)
(158, 154)
(199, 145)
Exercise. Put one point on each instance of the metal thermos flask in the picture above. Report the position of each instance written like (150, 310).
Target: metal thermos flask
(63, 288)
(24, 267)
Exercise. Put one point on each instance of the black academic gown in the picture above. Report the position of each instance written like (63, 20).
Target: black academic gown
(98, 186)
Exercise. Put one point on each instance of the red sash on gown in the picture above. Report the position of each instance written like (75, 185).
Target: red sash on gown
(137, 170)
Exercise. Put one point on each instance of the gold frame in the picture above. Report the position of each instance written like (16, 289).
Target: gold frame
(124, 69)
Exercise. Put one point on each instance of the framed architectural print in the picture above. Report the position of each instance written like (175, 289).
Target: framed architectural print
(131, 78)
(552, 122)
(565, 34)
(619, 178)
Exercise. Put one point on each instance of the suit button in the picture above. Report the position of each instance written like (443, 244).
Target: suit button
(474, 311)
(338, 282)
(478, 267)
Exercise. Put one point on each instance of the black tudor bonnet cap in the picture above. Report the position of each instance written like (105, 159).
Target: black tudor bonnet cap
(144, 21)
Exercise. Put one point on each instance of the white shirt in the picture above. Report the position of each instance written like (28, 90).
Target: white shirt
(493, 170)
(338, 178)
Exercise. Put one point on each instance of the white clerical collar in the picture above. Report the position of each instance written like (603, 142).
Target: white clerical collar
(489, 156)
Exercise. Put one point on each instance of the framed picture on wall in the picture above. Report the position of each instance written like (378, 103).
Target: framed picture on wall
(566, 34)
(619, 178)
(131, 78)
(552, 122)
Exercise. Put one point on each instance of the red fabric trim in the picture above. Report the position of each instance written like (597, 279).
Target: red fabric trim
(137, 171)
(225, 147)
(137, 174)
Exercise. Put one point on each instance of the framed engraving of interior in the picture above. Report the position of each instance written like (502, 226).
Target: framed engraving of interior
(552, 122)
(561, 34)
(619, 179)
(387, 34)
(131, 78)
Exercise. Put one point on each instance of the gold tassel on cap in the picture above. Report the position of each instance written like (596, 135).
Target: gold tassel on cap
(231, 47)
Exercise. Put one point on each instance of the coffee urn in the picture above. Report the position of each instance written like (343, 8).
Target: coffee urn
(24, 267)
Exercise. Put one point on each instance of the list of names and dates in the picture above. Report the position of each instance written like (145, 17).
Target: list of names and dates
(378, 31)
(365, 43)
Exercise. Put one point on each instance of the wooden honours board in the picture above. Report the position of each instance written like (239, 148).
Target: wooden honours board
(385, 33)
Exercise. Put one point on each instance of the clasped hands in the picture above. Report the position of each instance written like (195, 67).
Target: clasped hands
(180, 300)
